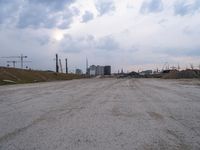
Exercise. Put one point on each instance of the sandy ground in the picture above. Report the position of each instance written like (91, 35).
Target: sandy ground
(101, 114)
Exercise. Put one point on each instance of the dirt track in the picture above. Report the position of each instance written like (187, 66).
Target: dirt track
(101, 114)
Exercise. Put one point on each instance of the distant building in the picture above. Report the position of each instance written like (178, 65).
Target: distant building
(99, 70)
(107, 70)
(146, 72)
(78, 71)
(92, 70)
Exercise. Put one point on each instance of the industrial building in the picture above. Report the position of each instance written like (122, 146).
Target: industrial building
(99, 70)
(107, 70)
(78, 71)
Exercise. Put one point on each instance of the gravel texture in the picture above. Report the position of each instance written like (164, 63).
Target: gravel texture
(101, 114)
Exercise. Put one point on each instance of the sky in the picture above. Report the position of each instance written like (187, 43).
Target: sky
(129, 34)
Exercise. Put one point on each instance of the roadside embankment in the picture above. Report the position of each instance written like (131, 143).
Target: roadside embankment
(15, 76)
(184, 74)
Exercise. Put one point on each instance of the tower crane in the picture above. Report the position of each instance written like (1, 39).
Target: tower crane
(21, 57)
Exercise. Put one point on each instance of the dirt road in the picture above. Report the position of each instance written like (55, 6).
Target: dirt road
(101, 114)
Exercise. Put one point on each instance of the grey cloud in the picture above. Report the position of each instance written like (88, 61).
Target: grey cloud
(8, 10)
(162, 21)
(151, 6)
(77, 44)
(37, 13)
(133, 49)
(43, 40)
(177, 52)
(107, 43)
(192, 52)
(184, 7)
(52, 4)
(191, 30)
(87, 16)
(35, 16)
(75, 11)
(47, 14)
(105, 6)
(66, 23)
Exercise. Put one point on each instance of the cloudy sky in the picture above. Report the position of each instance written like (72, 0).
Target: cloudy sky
(129, 34)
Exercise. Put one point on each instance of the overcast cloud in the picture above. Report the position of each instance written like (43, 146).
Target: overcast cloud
(127, 34)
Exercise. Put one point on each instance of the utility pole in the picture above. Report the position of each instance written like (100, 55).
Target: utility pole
(66, 66)
(57, 67)
(61, 70)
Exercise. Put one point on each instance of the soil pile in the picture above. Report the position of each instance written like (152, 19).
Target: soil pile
(13, 75)
(184, 74)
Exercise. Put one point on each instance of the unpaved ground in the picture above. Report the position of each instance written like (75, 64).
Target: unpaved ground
(101, 114)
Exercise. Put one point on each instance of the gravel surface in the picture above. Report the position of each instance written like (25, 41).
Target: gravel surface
(101, 114)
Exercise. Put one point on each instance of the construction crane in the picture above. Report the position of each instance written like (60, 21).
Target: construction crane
(61, 69)
(21, 59)
(13, 62)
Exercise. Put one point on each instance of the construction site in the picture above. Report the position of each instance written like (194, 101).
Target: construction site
(99, 75)
(108, 113)
(99, 109)
(11, 74)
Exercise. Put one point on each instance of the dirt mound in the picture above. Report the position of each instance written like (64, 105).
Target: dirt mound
(184, 74)
(173, 74)
(30, 76)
